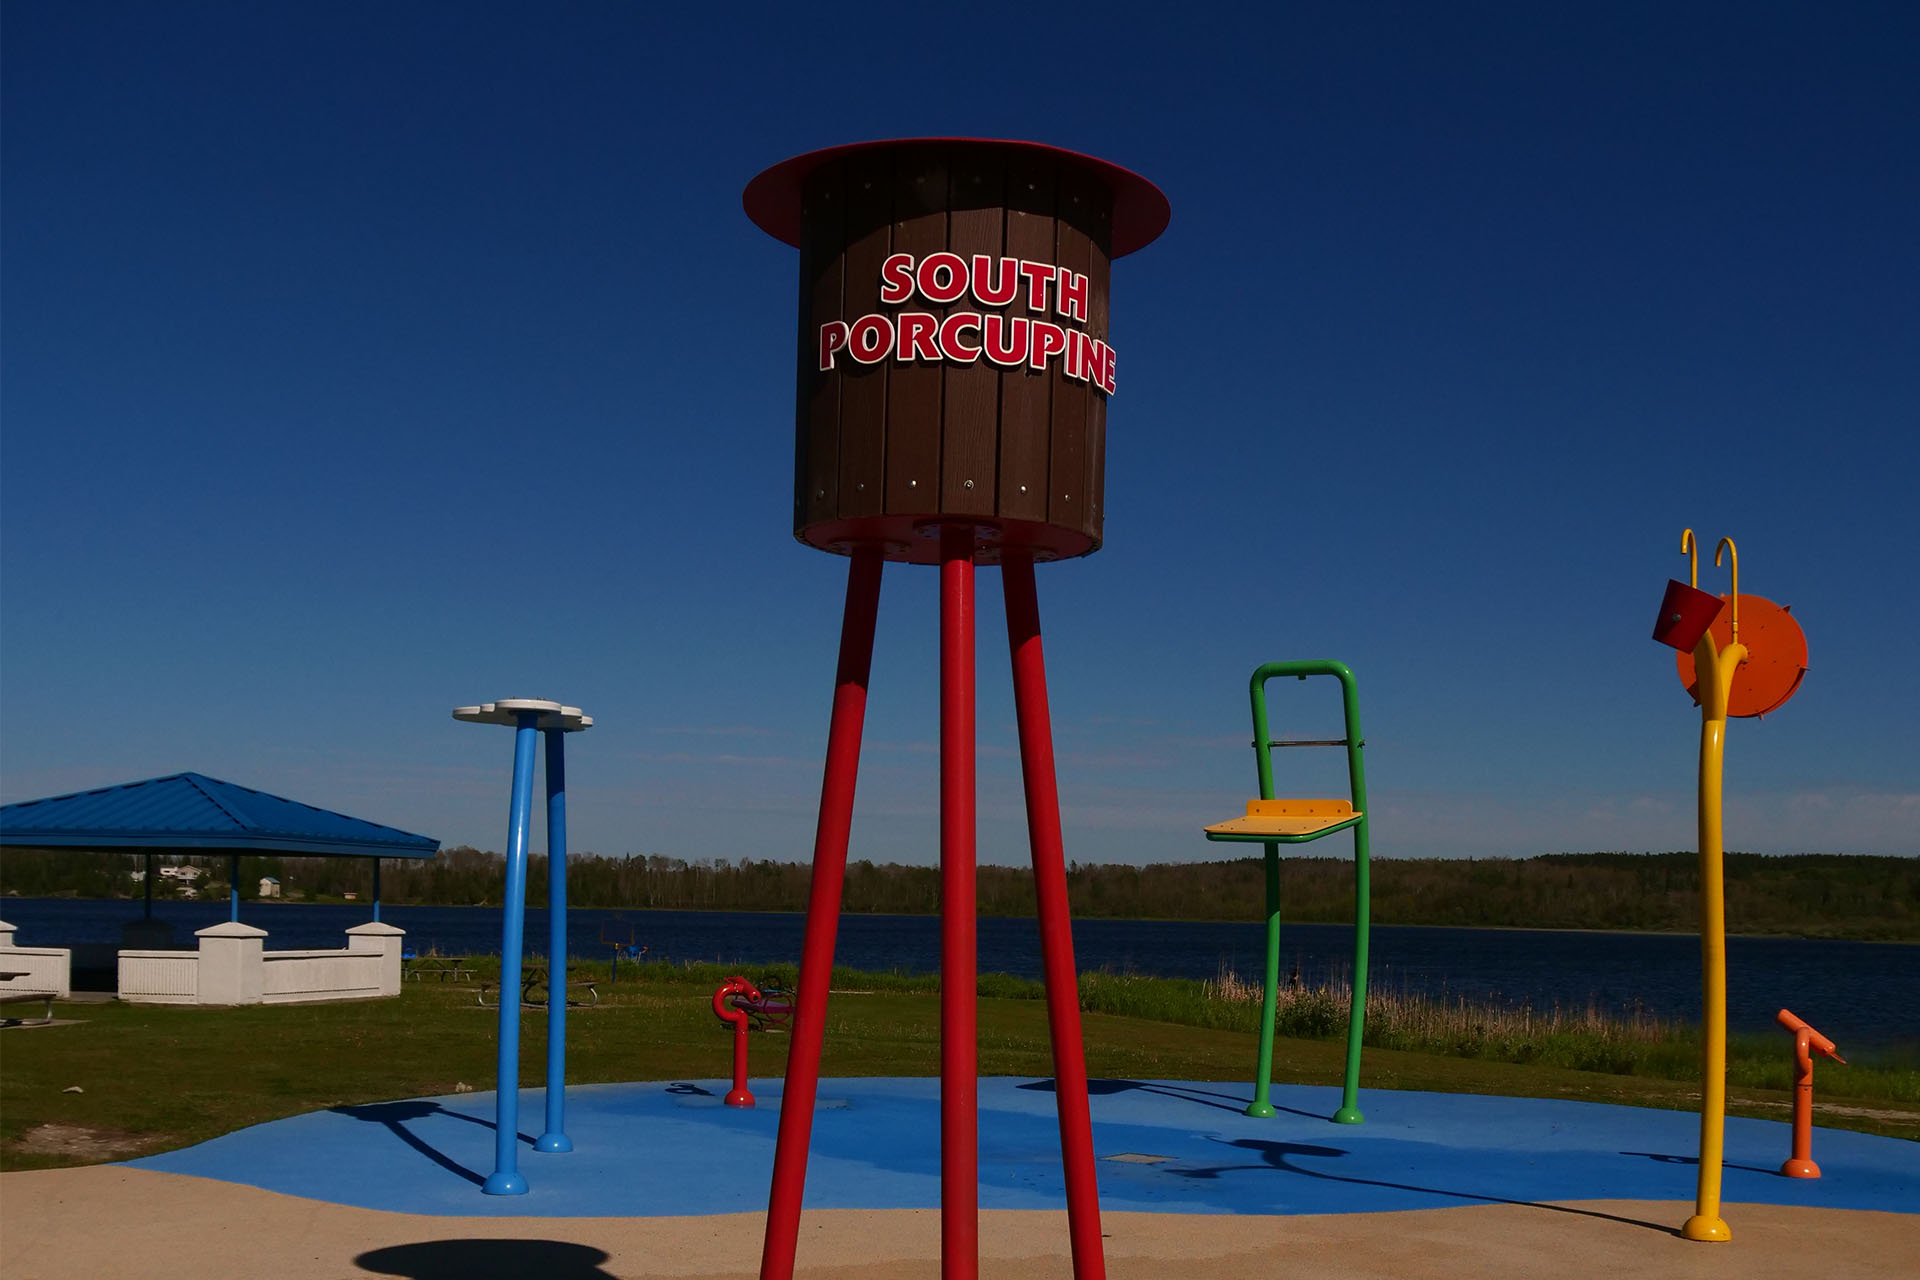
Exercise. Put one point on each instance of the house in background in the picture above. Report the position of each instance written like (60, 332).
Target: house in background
(269, 887)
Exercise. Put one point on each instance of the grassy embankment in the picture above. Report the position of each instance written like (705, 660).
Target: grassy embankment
(154, 1078)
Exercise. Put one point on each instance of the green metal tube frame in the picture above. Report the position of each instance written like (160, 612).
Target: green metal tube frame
(1262, 1105)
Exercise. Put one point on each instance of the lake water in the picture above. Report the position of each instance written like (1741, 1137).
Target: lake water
(1865, 995)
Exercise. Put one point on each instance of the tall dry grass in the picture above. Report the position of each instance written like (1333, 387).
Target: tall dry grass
(1582, 1038)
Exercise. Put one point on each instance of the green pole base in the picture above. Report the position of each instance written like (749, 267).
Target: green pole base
(1261, 1110)
(1348, 1115)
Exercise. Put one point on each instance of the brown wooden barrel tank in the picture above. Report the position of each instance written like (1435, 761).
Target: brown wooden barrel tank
(954, 357)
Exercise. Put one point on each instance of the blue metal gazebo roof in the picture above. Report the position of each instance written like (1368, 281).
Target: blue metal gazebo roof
(186, 811)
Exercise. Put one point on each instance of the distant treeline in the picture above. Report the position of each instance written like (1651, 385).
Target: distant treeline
(1816, 895)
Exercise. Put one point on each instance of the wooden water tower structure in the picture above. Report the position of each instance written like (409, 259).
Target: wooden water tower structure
(954, 368)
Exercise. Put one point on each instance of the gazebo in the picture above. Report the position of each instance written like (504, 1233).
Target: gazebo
(191, 813)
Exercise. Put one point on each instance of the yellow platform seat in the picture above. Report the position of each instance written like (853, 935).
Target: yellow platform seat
(1286, 820)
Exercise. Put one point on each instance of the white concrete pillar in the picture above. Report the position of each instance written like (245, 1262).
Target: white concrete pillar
(385, 939)
(231, 968)
(6, 933)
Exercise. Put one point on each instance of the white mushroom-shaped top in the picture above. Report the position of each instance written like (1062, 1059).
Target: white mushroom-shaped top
(507, 711)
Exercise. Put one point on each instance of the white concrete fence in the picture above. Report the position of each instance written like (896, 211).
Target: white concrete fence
(160, 977)
(230, 966)
(38, 969)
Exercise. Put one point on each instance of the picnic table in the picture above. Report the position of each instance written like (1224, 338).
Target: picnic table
(439, 968)
(536, 991)
(10, 996)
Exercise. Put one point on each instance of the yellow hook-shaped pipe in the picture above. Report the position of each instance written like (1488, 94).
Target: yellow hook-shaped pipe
(1691, 551)
(1733, 562)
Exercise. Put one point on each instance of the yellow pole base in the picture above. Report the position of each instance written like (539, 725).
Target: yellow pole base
(1704, 1228)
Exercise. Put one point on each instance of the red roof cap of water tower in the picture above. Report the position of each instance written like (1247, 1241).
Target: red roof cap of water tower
(1140, 209)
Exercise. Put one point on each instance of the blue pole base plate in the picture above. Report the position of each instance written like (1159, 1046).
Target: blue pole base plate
(502, 1183)
(553, 1142)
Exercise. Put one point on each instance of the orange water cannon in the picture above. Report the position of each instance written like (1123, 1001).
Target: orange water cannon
(1806, 1042)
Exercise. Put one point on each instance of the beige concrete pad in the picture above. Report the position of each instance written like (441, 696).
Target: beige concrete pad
(107, 1222)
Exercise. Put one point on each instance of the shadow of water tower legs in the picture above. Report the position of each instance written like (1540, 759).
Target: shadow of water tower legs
(487, 1260)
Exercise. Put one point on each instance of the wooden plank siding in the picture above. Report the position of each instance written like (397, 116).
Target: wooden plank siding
(1026, 398)
(883, 447)
(1099, 273)
(970, 443)
(914, 389)
(822, 277)
(863, 388)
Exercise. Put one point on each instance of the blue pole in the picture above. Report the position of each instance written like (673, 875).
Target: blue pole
(376, 891)
(505, 1180)
(555, 1138)
(233, 887)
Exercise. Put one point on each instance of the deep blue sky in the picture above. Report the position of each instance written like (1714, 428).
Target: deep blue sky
(362, 360)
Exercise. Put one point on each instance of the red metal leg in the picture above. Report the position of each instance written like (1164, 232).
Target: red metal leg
(959, 1064)
(823, 917)
(1056, 921)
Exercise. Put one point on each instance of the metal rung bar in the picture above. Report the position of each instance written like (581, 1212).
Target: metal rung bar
(1312, 742)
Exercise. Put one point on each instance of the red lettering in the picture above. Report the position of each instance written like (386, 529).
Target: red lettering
(870, 339)
(1049, 340)
(932, 287)
(995, 291)
(1098, 360)
(1011, 342)
(950, 328)
(896, 278)
(917, 340)
(1004, 338)
(1072, 295)
(833, 336)
(1039, 275)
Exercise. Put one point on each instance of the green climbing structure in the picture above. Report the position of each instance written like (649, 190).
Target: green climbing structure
(1273, 822)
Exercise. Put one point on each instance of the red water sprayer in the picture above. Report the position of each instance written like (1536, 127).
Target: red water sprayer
(727, 1006)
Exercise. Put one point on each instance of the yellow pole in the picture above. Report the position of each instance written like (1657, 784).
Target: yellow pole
(1715, 670)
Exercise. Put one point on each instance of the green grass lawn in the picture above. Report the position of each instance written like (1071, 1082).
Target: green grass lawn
(154, 1077)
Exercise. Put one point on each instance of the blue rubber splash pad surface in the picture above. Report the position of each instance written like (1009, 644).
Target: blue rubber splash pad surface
(1161, 1146)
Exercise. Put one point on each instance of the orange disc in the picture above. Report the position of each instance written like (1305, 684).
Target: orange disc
(1776, 656)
